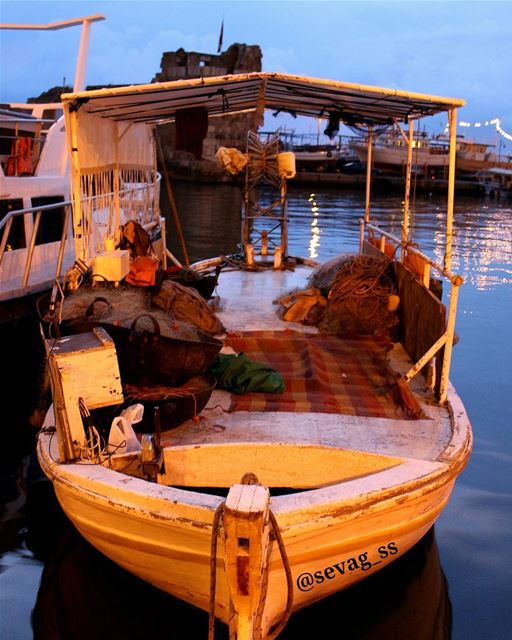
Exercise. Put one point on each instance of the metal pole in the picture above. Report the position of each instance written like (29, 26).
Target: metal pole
(284, 220)
(117, 187)
(28, 263)
(79, 83)
(407, 197)
(368, 173)
(450, 332)
(172, 202)
(64, 237)
(452, 122)
(5, 236)
(78, 223)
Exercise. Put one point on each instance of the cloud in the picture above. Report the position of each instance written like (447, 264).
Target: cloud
(126, 56)
(455, 49)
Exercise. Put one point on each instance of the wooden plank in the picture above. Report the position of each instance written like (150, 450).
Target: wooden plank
(276, 464)
(422, 316)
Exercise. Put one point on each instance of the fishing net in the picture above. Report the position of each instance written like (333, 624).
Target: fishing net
(121, 307)
(359, 296)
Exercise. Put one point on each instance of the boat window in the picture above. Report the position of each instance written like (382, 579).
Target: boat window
(6, 138)
(51, 114)
(50, 226)
(16, 239)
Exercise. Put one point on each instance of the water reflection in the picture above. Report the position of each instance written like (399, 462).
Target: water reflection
(482, 235)
(324, 224)
(83, 595)
(314, 242)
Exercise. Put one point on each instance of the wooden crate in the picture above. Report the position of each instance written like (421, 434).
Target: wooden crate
(81, 366)
(111, 265)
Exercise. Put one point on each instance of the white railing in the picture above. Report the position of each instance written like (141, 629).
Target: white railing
(446, 339)
(139, 203)
(6, 226)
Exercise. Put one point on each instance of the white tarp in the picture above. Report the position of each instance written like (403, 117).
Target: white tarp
(103, 143)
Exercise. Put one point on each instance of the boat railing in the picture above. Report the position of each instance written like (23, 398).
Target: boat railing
(455, 280)
(6, 226)
(137, 201)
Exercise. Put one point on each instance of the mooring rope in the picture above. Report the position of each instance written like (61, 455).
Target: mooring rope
(276, 630)
(217, 519)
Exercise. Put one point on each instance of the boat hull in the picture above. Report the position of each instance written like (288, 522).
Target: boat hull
(164, 536)
(396, 157)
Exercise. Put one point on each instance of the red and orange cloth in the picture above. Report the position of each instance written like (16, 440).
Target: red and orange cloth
(143, 271)
(322, 373)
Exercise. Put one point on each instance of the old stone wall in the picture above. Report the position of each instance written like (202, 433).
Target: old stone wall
(229, 131)
(181, 64)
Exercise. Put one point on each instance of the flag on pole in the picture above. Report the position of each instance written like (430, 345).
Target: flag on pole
(219, 48)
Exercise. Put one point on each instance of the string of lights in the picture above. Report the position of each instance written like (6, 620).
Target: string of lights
(495, 122)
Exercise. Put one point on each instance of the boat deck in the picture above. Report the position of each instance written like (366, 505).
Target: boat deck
(247, 304)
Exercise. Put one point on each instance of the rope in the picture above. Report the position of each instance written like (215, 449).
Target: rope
(358, 299)
(219, 512)
(361, 277)
(276, 629)
(251, 478)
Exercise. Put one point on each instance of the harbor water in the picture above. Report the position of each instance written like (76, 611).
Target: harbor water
(456, 583)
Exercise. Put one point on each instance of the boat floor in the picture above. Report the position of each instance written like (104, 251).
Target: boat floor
(247, 304)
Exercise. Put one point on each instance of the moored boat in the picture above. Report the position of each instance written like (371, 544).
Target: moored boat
(473, 157)
(495, 182)
(430, 155)
(390, 150)
(262, 502)
(36, 244)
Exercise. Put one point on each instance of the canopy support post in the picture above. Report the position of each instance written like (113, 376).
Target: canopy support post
(369, 161)
(452, 123)
(448, 347)
(117, 186)
(407, 196)
(78, 226)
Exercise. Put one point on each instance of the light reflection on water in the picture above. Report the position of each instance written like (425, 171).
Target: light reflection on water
(482, 234)
(323, 224)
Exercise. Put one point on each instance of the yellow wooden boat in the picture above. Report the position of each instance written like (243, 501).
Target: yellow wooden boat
(263, 503)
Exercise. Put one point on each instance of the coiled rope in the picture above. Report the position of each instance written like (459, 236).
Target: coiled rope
(358, 298)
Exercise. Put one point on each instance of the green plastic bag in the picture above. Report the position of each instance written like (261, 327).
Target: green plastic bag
(240, 374)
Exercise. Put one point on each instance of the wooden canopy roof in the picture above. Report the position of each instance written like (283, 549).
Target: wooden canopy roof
(351, 103)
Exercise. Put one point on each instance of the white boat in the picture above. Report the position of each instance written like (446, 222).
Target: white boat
(36, 243)
(312, 155)
(262, 503)
(430, 154)
(35, 210)
(389, 152)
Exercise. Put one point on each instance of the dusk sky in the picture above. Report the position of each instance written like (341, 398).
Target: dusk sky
(458, 49)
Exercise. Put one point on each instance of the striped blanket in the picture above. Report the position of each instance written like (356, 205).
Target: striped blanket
(322, 373)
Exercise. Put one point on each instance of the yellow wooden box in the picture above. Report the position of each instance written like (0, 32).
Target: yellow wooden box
(111, 265)
(82, 366)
